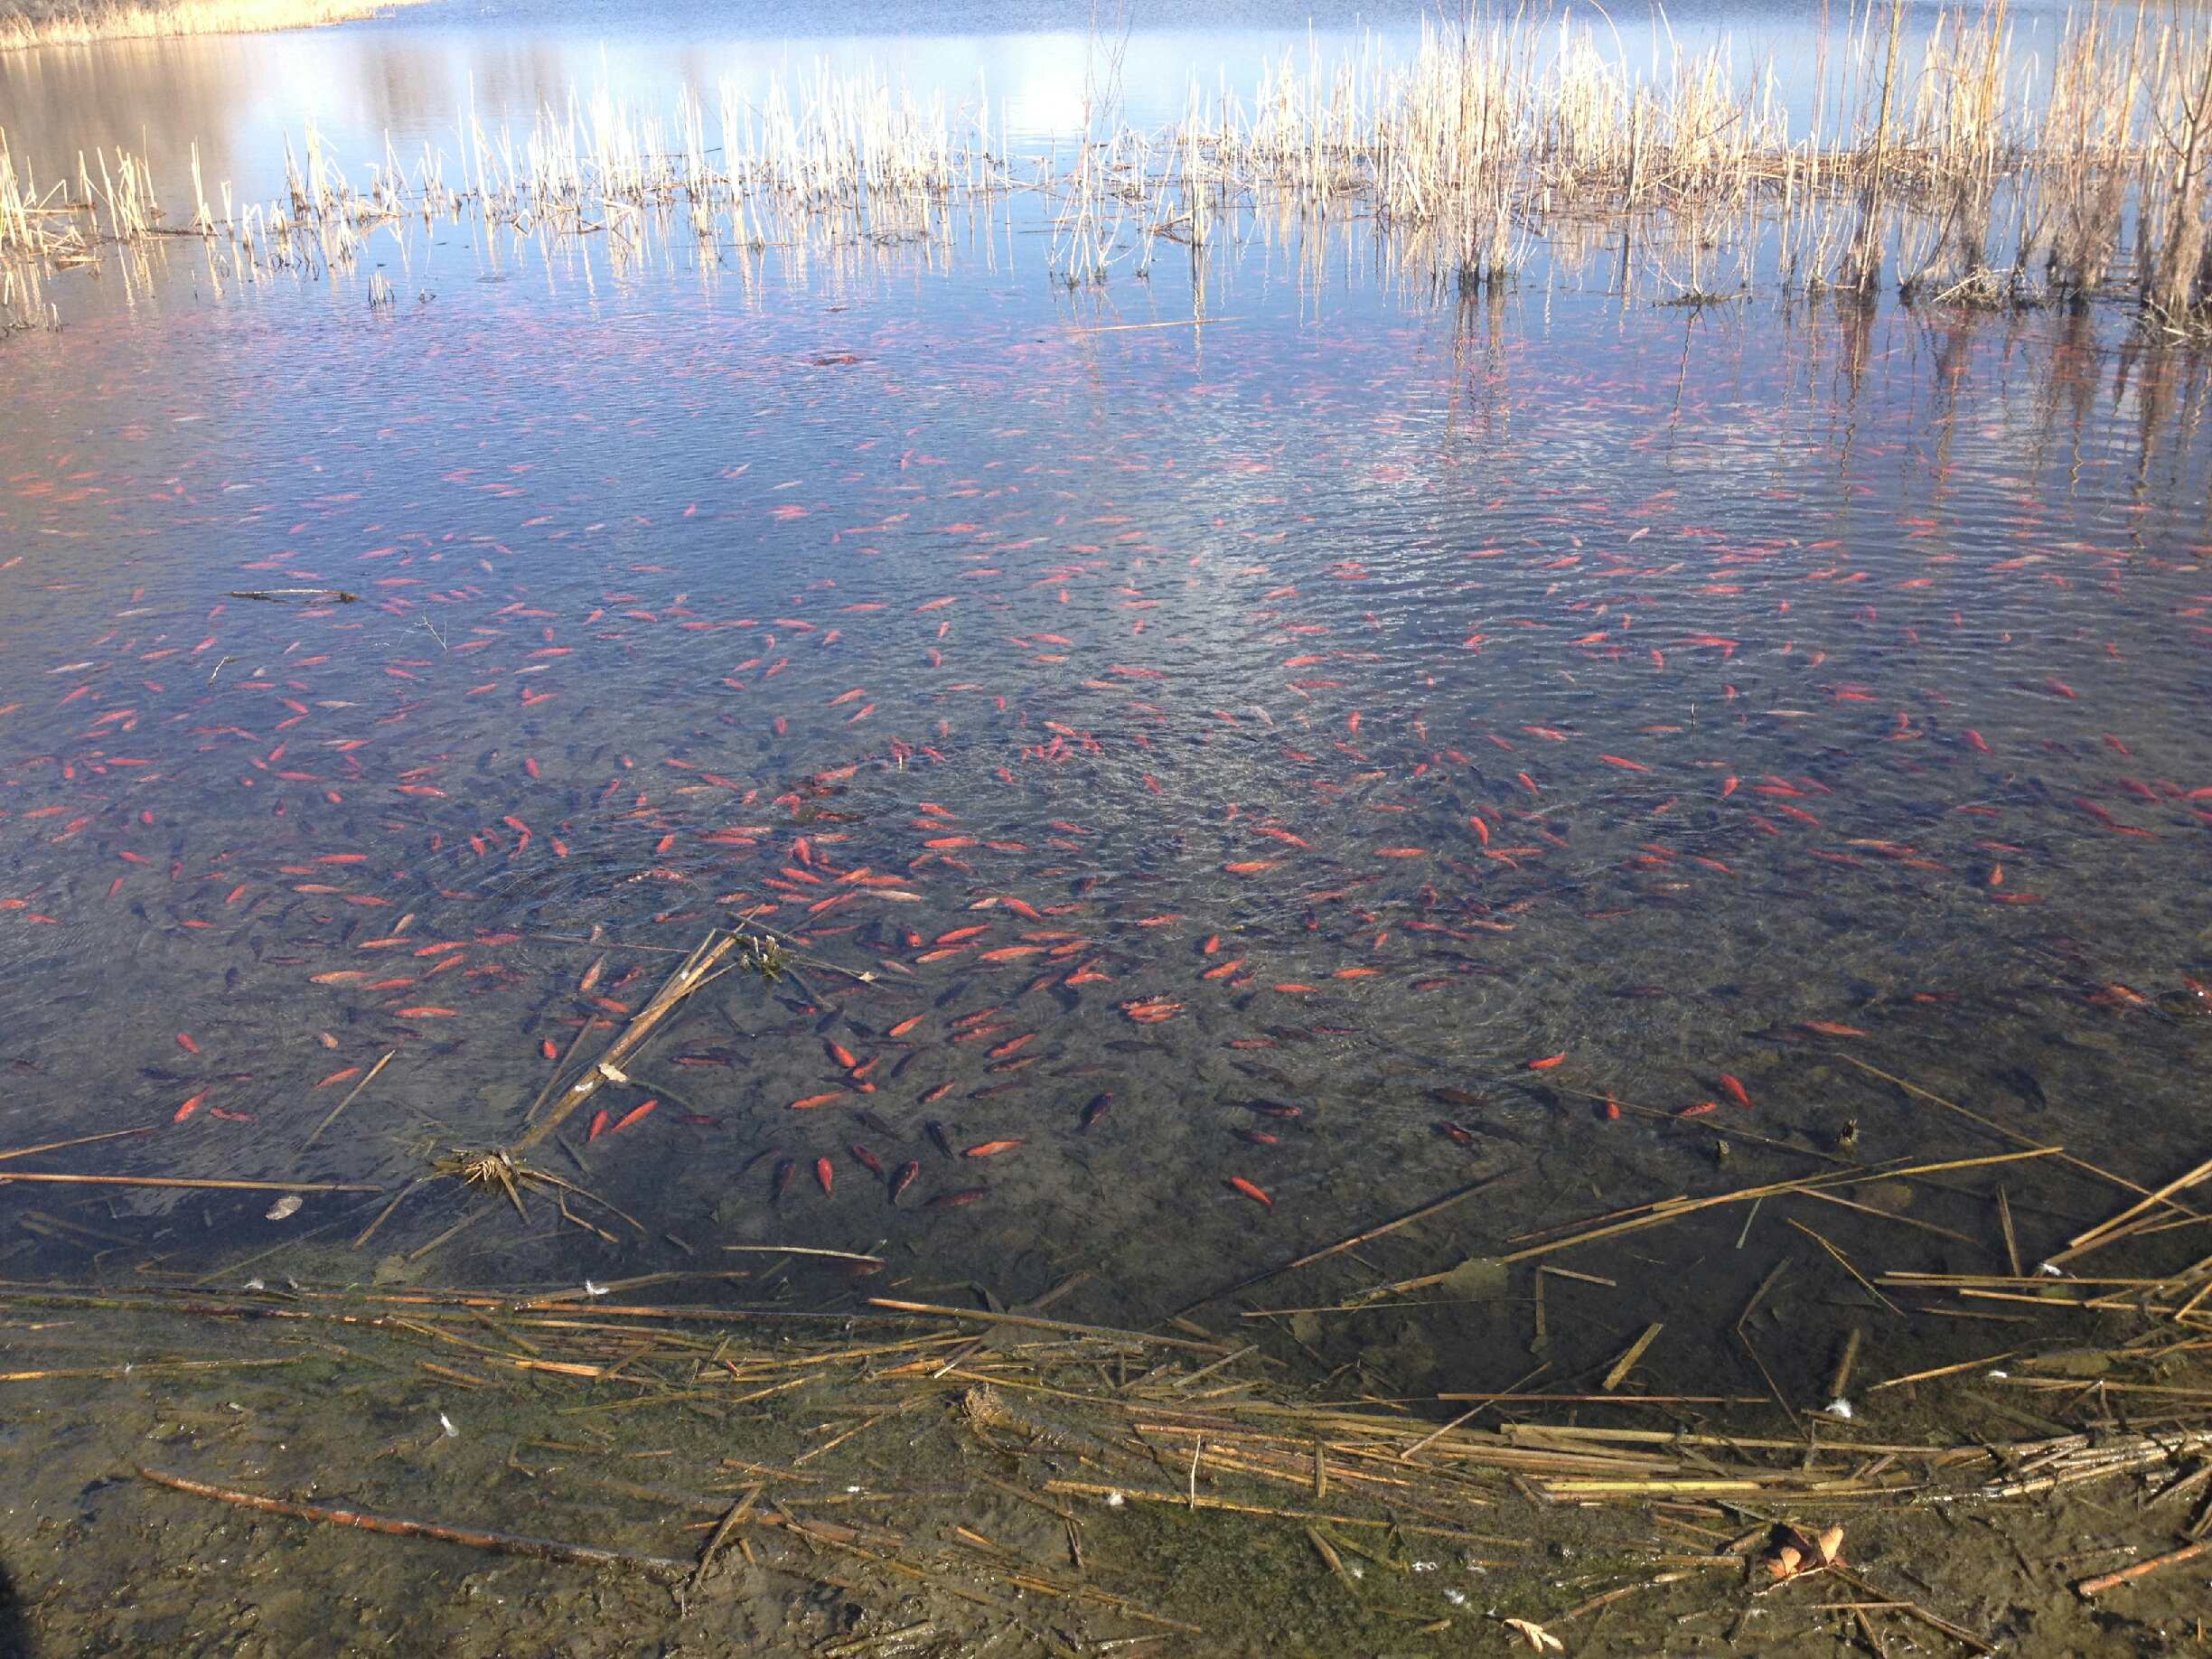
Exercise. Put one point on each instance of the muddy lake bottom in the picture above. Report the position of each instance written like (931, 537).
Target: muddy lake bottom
(1511, 762)
(939, 1519)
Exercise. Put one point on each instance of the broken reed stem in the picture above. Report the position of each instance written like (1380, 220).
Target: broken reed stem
(385, 1214)
(467, 1220)
(1620, 1400)
(1627, 1362)
(1868, 252)
(1957, 1633)
(2088, 1588)
(1999, 1130)
(510, 1543)
(693, 972)
(1184, 1500)
(147, 1368)
(351, 1095)
(560, 1067)
(1934, 1372)
(2104, 1232)
(729, 1524)
(1888, 1215)
(1844, 1263)
(803, 1250)
(1839, 1387)
(80, 1140)
(226, 1187)
(1030, 1320)
(1676, 1208)
(1436, 1208)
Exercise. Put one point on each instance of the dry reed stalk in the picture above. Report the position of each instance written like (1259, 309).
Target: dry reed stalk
(2117, 1227)
(351, 1095)
(1184, 1500)
(981, 1317)
(79, 1140)
(177, 1181)
(1626, 1362)
(2089, 1588)
(2175, 280)
(510, 1543)
(694, 971)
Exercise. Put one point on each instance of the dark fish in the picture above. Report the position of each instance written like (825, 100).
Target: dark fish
(948, 1201)
(903, 1179)
(938, 1138)
(1095, 1110)
(781, 1181)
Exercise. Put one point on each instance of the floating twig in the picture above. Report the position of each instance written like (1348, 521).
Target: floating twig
(80, 1140)
(225, 1187)
(508, 1544)
(1101, 1331)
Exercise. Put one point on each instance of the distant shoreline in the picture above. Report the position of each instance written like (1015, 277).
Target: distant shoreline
(25, 23)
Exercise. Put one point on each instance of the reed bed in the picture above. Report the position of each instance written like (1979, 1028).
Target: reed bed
(1964, 166)
(25, 23)
(1994, 172)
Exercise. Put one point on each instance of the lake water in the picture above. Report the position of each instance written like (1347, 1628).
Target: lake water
(1335, 748)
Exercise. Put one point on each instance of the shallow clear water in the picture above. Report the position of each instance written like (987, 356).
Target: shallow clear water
(1268, 725)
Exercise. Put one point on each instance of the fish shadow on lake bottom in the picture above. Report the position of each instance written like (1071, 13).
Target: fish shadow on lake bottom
(15, 1628)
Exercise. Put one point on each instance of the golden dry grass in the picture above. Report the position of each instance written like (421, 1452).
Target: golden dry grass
(43, 23)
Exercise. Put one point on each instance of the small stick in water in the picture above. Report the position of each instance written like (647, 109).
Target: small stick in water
(511, 1543)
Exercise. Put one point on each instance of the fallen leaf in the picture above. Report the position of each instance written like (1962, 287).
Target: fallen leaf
(1536, 1636)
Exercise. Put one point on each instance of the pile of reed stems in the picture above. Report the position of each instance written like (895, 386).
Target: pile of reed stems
(1071, 1420)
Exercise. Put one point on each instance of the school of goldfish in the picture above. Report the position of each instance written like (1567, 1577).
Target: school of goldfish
(1180, 765)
